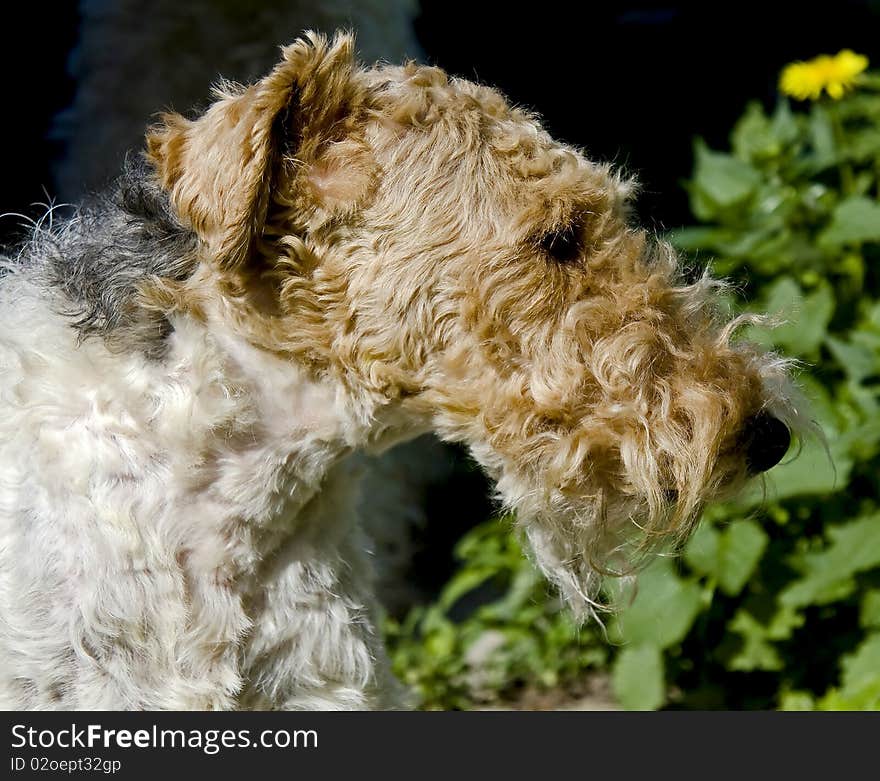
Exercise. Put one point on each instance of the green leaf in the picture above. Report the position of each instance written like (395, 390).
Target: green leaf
(465, 580)
(862, 668)
(699, 238)
(784, 124)
(730, 556)
(638, 677)
(701, 551)
(521, 592)
(809, 324)
(811, 473)
(864, 145)
(857, 360)
(862, 439)
(827, 575)
(860, 689)
(723, 179)
(854, 220)
(742, 545)
(822, 140)
(797, 701)
(441, 639)
(869, 613)
(758, 651)
(757, 137)
(664, 608)
(753, 135)
(804, 318)
(867, 698)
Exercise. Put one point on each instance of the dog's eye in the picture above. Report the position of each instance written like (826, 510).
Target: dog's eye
(562, 245)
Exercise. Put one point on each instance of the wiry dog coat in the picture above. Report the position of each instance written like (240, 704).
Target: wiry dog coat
(328, 262)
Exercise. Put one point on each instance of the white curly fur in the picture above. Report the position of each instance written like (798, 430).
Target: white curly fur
(170, 62)
(130, 488)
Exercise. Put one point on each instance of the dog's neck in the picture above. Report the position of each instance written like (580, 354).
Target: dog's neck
(267, 431)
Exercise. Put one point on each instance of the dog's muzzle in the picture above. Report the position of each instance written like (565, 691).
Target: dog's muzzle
(766, 440)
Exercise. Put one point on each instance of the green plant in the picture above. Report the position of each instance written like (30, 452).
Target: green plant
(788, 577)
(513, 635)
(775, 601)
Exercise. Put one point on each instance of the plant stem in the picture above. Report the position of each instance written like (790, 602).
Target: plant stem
(847, 177)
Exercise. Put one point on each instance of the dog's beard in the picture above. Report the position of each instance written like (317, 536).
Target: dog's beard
(579, 544)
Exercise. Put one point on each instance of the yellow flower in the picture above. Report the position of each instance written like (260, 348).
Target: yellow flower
(835, 75)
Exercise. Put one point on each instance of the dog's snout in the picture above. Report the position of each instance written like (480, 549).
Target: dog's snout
(766, 441)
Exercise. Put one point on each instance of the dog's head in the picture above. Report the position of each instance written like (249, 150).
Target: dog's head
(431, 248)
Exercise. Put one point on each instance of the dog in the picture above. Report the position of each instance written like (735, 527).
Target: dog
(329, 262)
(117, 55)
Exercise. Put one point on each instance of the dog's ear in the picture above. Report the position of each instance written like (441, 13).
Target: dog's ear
(219, 170)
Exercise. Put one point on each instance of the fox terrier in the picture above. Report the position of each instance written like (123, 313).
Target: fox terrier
(329, 262)
(117, 54)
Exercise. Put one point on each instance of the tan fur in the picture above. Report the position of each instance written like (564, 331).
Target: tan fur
(384, 229)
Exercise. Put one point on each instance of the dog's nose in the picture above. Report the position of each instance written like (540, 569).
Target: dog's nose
(766, 441)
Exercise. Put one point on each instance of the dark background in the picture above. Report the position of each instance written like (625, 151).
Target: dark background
(628, 82)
